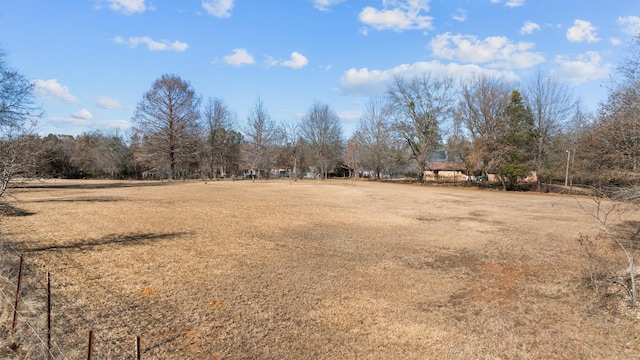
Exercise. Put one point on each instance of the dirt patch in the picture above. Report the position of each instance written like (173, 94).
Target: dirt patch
(216, 303)
(441, 260)
(496, 283)
(148, 291)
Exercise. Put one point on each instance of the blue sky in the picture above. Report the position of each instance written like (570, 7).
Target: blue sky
(92, 60)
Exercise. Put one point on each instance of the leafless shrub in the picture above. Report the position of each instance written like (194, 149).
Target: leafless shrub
(618, 227)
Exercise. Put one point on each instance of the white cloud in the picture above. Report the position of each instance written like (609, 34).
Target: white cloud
(325, 5)
(529, 27)
(239, 57)
(585, 67)
(398, 15)
(630, 25)
(515, 3)
(152, 45)
(615, 41)
(52, 89)
(459, 15)
(582, 31)
(108, 103)
(82, 114)
(510, 3)
(218, 8)
(495, 50)
(91, 123)
(127, 7)
(297, 61)
(271, 61)
(374, 82)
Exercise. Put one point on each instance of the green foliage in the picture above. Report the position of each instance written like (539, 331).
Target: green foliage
(517, 139)
(341, 170)
(513, 172)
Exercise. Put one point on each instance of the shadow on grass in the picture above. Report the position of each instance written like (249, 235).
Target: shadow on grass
(111, 239)
(8, 210)
(101, 199)
(88, 186)
(628, 232)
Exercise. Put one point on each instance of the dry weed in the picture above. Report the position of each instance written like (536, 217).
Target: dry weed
(316, 270)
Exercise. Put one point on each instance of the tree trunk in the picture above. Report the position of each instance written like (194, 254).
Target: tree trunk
(4, 184)
(172, 164)
(504, 185)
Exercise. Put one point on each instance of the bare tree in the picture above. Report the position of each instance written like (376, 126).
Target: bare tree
(83, 156)
(483, 105)
(219, 121)
(500, 125)
(322, 131)
(619, 126)
(420, 107)
(618, 222)
(112, 156)
(376, 136)
(18, 117)
(611, 147)
(291, 154)
(167, 119)
(353, 153)
(261, 135)
(551, 104)
(459, 147)
(54, 157)
(574, 139)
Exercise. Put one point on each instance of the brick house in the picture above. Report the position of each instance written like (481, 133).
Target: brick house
(445, 171)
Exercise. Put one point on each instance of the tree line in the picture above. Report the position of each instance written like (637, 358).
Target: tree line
(486, 124)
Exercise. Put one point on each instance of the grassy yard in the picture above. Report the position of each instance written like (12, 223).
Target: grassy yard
(316, 270)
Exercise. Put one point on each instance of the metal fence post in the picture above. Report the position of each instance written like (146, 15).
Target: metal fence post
(90, 351)
(48, 316)
(15, 308)
(137, 347)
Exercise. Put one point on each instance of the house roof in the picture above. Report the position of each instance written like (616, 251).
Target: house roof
(446, 166)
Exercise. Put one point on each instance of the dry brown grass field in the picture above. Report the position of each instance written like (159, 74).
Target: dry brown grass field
(317, 270)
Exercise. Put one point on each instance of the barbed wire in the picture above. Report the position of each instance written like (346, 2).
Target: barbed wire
(8, 300)
(76, 314)
(66, 308)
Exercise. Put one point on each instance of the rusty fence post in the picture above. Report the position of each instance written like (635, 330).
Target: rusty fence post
(137, 348)
(15, 308)
(90, 351)
(48, 315)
